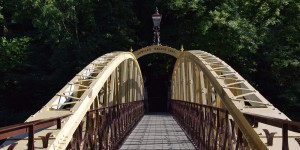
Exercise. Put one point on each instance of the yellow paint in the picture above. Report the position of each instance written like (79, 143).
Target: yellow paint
(156, 49)
(181, 49)
(131, 50)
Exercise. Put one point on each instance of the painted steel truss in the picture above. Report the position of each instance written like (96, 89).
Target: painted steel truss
(112, 79)
(104, 101)
(204, 79)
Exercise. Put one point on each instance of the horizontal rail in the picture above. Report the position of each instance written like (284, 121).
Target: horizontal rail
(29, 128)
(285, 125)
(292, 125)
(202, 122)
(207, 126)
(107, 127)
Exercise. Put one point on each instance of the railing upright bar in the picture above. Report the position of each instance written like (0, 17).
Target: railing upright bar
(285, 143)
(58, 123)
(31, 137)
(211, 128)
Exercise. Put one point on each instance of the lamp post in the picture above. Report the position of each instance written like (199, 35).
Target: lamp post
(156, 17)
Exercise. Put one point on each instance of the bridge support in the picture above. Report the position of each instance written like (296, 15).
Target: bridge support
(216, 106)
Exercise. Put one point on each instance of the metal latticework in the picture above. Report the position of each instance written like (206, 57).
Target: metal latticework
(202, 79)
(217, 108)
(106, 128)
(111, 81)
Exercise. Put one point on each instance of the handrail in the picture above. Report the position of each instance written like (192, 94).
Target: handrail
(205, 125)
(202, 122)
(29, 128)
(97, 109)
(107, 127)
(292, 125)
(281, 123)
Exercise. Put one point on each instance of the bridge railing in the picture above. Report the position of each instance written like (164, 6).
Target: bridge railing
(28, 129)
(207, 126)
(285, 126)
(107, 128)
(103, 128)
(213, 128)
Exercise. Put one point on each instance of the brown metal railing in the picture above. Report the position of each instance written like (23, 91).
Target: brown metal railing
(207, 126)
(286, 126)
(29, 128)
(211, 127)
(106, 128)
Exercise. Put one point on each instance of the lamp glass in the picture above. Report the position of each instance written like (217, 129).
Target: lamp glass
(156, 20)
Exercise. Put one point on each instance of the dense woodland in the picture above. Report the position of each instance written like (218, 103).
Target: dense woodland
(44, 43)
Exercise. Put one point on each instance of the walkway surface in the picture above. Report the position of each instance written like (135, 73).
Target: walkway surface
(157, 131)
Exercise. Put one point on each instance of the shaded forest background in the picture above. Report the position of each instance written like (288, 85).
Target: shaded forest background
(44, 43)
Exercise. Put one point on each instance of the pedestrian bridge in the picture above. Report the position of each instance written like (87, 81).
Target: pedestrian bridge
(103, 107)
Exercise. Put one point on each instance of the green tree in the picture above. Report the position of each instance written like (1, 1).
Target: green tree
(260, 39)
(280, 57)
(13, 53)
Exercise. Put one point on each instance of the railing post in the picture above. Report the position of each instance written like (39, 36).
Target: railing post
(285, 143)
(87, 122)
(31, 137)
(226, 137)
(58, 123)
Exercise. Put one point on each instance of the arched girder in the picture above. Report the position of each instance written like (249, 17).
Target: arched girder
(115, 78)
(156, 49)
(111, 79)
(203, 78)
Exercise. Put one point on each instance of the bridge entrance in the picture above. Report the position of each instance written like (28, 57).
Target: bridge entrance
(157, 75)
(157, 93)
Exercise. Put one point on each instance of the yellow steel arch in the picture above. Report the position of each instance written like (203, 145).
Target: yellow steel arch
(111, 79)
(115, 78)
(156, 49)
(200, 77)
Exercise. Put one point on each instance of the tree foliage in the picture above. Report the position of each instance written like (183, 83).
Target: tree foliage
(13, 53)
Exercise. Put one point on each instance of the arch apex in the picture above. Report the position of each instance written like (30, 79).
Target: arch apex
(157, 49)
